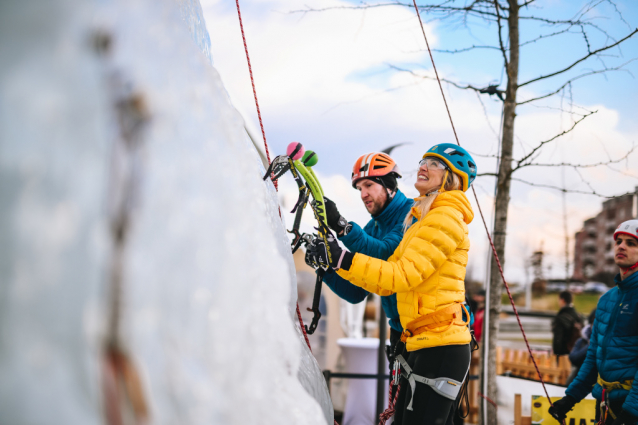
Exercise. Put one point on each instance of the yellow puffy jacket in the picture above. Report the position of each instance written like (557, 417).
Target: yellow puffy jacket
(426, 271)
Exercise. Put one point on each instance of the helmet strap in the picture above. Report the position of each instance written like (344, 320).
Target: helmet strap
(442, 188)
(390, 193)
(628, 269)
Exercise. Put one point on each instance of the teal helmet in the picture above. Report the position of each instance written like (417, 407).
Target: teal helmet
(458, 159)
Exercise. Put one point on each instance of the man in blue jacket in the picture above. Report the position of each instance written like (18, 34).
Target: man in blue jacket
(375, 176)
(611, 365)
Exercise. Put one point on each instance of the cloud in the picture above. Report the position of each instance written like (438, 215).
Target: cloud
(323, 79)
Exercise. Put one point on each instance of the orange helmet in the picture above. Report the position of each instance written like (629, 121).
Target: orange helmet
(374, 164)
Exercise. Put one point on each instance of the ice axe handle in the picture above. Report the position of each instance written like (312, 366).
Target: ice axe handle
(315, 304)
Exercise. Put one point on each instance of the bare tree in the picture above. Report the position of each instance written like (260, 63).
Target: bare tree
(504, 17)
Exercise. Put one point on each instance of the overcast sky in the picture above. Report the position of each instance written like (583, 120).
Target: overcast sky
(327, 79)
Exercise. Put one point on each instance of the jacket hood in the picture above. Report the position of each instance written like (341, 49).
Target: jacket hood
(453, 198)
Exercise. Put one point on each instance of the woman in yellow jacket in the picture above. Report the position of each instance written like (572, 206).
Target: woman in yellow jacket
(427, 272)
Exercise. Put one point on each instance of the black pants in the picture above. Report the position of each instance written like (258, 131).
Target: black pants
(430, 408)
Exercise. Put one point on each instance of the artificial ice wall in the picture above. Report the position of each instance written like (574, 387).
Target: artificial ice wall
(145, 273)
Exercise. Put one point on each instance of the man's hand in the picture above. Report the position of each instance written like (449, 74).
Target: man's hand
(625, 418)
(560, 408)
(335, 220)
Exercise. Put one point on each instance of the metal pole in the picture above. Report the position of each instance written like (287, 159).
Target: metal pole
(381, 370)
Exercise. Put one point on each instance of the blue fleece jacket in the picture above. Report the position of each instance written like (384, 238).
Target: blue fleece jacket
(613, 346)
(378, 239)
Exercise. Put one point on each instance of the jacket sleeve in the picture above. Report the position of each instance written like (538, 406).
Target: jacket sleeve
(588, 373)
(631, 402)
(357, 240)
(437, 237)
(344, 289)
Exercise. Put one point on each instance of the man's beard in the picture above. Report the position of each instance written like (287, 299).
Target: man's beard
(377, 207)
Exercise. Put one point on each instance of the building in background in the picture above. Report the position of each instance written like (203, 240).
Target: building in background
(593, 251)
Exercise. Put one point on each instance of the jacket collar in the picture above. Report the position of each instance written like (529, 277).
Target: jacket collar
(453, 198)
(628, 284)
(390, 212)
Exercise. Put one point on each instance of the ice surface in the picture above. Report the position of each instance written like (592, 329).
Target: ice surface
(208, 285)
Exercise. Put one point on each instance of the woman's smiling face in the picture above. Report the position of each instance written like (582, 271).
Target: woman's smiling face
(430, 175)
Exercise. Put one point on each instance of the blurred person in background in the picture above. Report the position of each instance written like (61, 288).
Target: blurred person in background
(478, 307)
(579, 352)
(610, 370)
(566, 326)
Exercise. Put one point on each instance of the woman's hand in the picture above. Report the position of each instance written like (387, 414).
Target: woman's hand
(317, 254)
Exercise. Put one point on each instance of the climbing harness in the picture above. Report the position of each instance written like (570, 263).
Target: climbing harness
(444, 318)
(616, 385)
(446, 387)
(605, 407)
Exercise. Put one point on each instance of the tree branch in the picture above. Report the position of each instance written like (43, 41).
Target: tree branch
(520, 162)
(427, 8)
(465, 49)
(596, 164)
(445, 80)
(562, 189)
(534, 40)
(590, 54)
(500, 38)
(587, 74)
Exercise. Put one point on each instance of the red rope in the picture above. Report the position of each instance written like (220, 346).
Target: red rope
(303, 328)
(392, 402)
(488, 399)
(509, 294)
(489, 237)
(252, 81)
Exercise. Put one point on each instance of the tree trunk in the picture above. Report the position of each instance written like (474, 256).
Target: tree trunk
(502, 204)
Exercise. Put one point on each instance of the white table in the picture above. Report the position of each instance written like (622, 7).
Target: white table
(361, 401)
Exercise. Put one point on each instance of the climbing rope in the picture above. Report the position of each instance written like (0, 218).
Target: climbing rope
(489, 237)
(252, 81)
(392, 402)
(263, 133)
(390, 411)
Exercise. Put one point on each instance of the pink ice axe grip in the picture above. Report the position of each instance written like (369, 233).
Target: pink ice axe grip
(295, 150)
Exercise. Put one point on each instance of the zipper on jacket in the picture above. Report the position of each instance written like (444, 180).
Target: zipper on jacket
(610, 328)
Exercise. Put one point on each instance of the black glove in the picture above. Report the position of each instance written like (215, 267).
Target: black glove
(625, 418)
(317, 254)
(335, 220)
(560, 408)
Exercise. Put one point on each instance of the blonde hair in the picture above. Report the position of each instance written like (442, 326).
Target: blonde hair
(424, 203)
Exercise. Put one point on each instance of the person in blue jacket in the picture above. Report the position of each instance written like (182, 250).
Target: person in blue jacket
(375, 176)
(610, 370)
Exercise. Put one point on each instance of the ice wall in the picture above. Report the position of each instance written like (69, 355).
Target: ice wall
(133, 217)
